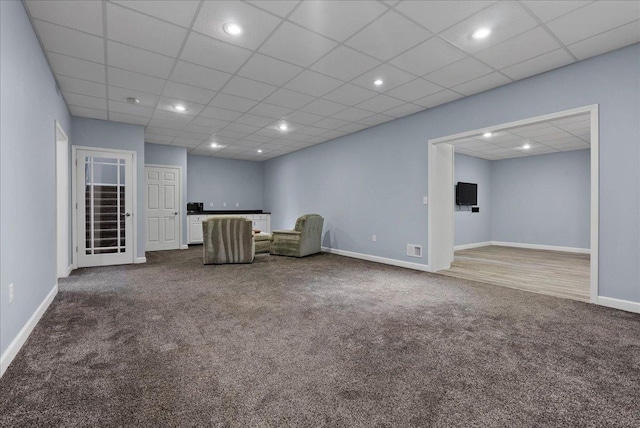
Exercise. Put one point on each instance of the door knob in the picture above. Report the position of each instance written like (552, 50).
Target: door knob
(175, 213)
(125, 214)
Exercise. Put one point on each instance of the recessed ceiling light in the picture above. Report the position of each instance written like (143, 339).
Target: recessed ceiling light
(526, 146)
(487, 134)
(259, 150)
(214, 145)
(180, 107)
(481, 33)
(283, 127)
(378, 82)
(132, 100)
(232, 28)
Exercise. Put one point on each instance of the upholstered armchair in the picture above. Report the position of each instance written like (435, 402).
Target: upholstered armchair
(302, 241)
(227, 240)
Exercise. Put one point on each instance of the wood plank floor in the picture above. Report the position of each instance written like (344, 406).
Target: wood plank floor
(546, 272)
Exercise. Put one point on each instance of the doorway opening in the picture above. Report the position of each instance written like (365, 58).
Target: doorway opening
(63, 267)
(526, 247)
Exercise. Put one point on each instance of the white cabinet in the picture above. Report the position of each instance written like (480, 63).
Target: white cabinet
(194, 229)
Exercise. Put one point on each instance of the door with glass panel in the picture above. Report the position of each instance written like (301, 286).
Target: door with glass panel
(105, 208)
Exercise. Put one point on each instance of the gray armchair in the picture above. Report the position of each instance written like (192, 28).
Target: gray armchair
(302, 241)
(227, 240)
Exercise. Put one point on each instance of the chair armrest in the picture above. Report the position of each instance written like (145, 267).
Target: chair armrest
(286, 232)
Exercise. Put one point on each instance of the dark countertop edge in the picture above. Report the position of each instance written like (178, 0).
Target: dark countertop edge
(226, 212)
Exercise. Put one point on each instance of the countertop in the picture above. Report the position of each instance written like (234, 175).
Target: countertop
(227, 212)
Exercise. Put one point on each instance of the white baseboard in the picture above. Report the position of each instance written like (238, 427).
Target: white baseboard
(542, 247)
(140, 260)
(469, 246)
(184, 247)
(14, 347)
(624, 305)
(377, 259)
(69, 270)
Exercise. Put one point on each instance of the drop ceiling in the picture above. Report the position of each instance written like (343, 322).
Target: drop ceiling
(309, 64)
(558, 135)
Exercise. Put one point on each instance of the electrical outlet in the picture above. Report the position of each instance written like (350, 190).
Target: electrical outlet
(10, 293)
(425, 200)
(211, 204)
(224, 204)
(374, 238)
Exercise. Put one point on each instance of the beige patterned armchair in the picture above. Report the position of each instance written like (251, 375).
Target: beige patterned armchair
(302, 241)
(227, 240)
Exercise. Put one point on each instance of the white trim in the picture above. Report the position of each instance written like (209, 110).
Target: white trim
(475, 245)
(595, 200)
(624, 305)
(22, 336)
(542, 247)
(140, 260)
(184, 246)
(61, 150)
(181, 216)
(377, 259)
(70, 269)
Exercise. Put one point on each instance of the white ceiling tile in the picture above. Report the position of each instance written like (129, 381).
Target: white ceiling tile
(415, 89)
(286, 98)
(162, 131)
(313, 131)
(196, 75)
(438, 98)
(344, 63)
(380, 103)
(241, 127)
(323, 107)
(458, 72)
(213, 53)
(138, 60)
(142, 31)
(577, 127)
(209, 123)
(538, 65)
(505, 19)
(330, 123)
(481, 84)
(352, 114)
(157, 139)
(312, 83)
(302, 118)
(85, 101)
(78, 68)
(186, 142)
(593, 19)
(547, 10)
(350, 94)
(376, 119)
(232, 103)
(277, 7)
(571, 119)
(195, 135)
(607, 41)
(337, 20)
(269, 70)
(70, 42)
(390, 76)
(172, 117)
(428, 56)
(220, 113)
(121, 95)
(128, 118)
(188, 93)
(179, 12)
(246, 88)
(258, 138)
(438, 15)
(164, 123)
(269, 110)
(231, 134)
(256, 24)
(520, 48)
(135, 81)
(168, 104)
(88, 112)
(388, 36)
(352, 127)
(80, 15)
(132, 109)
(296, 45)
(251, 119)
(84, 87)
(532, 133)
(403, 110)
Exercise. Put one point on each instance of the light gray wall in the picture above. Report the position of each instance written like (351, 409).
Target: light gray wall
(224, 180)
(471, 228)
(29, 105)
(543, 199)
(160, 154)
(119, 136)
(373, 181)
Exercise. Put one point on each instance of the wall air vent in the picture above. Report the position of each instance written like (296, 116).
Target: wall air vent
(414, 250)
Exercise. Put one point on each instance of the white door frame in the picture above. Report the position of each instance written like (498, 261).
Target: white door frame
(593, 110)
(134, 188)
(182, 204)
(63, 267)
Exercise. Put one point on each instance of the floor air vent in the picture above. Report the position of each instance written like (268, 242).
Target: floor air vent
(414, 250)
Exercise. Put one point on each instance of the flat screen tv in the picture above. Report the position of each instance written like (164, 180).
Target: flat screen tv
(466, 193)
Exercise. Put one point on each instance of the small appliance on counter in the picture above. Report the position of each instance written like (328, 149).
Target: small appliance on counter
(194, 207)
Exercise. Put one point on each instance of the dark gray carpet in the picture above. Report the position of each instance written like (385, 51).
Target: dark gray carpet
(320, 341)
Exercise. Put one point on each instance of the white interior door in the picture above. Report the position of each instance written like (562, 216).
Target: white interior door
(441, 201)
(162, 208)
(104, 195)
